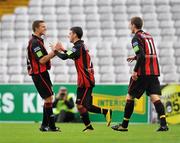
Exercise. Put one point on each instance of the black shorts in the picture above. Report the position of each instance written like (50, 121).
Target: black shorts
(84, 96)
(150, 84)
(43, 84)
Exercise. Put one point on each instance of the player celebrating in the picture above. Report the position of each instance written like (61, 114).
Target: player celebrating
(38, 64)
(85, 72)
(144, 77)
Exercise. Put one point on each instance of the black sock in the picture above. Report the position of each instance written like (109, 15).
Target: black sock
(94, 109)
(84, 115)
(128, 112)
(161, 113)
(49, 113)
(104, 111)
(85, 118)
(45, 120)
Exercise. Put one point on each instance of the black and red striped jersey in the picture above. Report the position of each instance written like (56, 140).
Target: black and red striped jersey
(146, 56)
(35, 51)
(85, 71)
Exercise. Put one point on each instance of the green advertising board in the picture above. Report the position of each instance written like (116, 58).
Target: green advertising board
(22, 102)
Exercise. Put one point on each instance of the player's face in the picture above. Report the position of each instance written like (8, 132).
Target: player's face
(131, 27)
(71, 36)
(42, 29)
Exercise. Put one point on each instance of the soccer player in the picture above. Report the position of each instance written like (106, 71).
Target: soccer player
(38, 64)
(145, 75)
(85, 72)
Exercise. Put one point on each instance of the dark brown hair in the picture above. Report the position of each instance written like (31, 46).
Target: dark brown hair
(78, 31)
(36, 24)
(137, 21)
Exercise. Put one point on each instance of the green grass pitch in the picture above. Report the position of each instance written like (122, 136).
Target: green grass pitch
(72, 133)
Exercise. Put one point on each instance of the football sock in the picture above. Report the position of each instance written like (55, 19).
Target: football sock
(161, 113)
(128, 112)
(94, 109)
(49, 114)
(84, 115)
(104, 111)
(45, 120)
(85, 118)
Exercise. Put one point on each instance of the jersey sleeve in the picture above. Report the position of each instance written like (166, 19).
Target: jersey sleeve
(140, 55)
(74, 53)
(37, 50)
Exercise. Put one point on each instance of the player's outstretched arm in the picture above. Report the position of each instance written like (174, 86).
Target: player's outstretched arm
(46, 58)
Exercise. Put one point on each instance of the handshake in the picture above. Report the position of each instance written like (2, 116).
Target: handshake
(58, 47)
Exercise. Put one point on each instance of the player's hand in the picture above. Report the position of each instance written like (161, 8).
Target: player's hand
(52, 46)
(134, 76)
(59, 46)
(131, 59)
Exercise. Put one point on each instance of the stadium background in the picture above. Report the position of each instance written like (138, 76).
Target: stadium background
(105, 24)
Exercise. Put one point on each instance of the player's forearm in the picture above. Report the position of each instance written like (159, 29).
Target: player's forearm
(60, 55)
(46, 58)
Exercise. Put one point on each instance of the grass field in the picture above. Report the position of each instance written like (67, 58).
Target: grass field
(72, 133)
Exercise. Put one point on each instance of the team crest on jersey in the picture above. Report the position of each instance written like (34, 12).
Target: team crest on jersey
(73, 50)
(135, 44)
(37, 49)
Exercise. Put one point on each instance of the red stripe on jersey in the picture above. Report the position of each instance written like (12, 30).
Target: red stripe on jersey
(84, 70)
(155, 65)
(147, 59)
(36, 67)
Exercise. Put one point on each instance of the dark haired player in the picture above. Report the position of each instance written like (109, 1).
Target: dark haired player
(144, 77)
(85, 72)
(38, 64)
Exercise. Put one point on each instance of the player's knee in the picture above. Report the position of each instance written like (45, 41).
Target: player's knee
(154, 98)
(81, 109)
(49, 99)
(129, 97)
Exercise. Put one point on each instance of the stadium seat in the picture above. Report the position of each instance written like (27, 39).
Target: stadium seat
(168, 78)
(76, 10)
(21, 10)
(132, 2)
(105, 61)
(76, 2)
(49, 3)
(107, 78)
(34, 10)
(120, 60)
(16, 78)
(4, 78)
(3, 62)
(90, 10)
(90, 3)
(161, 2)
(121, 69)
(73, 78)
(122, 78)
(33, 3)
(27, 79)
(118, 2)
(106, 69)
(72, 70)
(148, 9)
(3, 70)
(48, 10)
(168, 69)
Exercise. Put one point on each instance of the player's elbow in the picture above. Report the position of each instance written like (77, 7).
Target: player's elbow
(43, 61)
